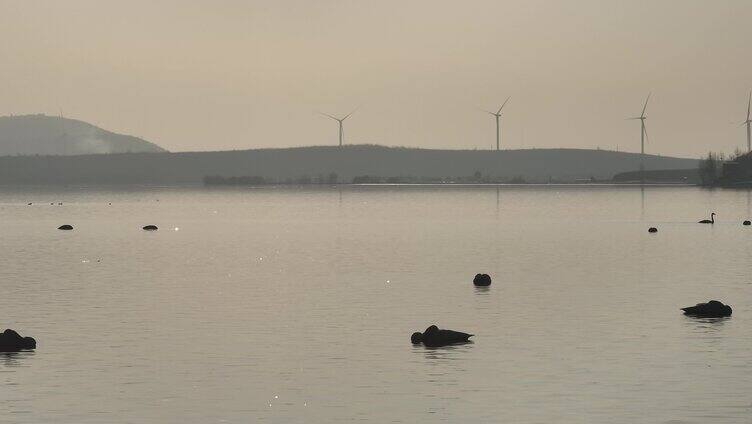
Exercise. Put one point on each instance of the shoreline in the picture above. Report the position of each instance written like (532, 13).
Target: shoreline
(348, 185)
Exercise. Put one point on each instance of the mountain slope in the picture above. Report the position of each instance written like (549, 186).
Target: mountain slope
(536, 165)
(47, 135)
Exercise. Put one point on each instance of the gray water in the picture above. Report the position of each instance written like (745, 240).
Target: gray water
(297, 305)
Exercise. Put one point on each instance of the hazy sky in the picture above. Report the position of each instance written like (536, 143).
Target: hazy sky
(214, 75)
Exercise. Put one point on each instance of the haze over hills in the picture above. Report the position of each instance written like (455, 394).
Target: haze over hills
(48, 135)
(535, 165)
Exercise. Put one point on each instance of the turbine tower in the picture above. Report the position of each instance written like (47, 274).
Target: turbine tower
(643, 136)
(339, 121)
(63, 135)
(498, 116)
(747, 122)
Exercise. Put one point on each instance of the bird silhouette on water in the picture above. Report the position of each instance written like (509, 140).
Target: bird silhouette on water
(712, 309)
(708, 221)
(482, 280)
(435, 337)
(11, 341)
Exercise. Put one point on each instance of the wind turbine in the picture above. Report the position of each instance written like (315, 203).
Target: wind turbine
(747, 122)
(339, 121)
(498, 115)
(643, 136)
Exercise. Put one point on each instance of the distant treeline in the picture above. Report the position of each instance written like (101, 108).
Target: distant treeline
(333, 178)
(659, 176)
(732, 171)
(473, 179)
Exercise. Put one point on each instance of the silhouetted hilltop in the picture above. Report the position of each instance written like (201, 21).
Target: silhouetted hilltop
(48, 135)
(537, 165)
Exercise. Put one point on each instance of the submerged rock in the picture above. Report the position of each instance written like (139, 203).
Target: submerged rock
(712, 309)
(11, 341)
(65, 227)
(652, 230)
(746, 223)
(435, 337)
(482, 280)
(151, 228)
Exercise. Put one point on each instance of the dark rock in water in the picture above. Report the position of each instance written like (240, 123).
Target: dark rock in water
(482, 280)
(712, 309)
(10, 341)
(151, 228)
(746, 223)
(65, 227)
(434, 337)
(652, 230)
(29, 204)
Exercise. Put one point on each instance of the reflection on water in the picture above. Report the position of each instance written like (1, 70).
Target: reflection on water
(706, 324)
(285, 305)
(442, 352)
(16, 359)
(483, 290)
(498, 196)
(642, 203)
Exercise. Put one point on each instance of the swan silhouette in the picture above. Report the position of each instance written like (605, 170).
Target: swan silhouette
(434, 337)
(708, 221)
(482, 280)
(711, 309)
(11, 341)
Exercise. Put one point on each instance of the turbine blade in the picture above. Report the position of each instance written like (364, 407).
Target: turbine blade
(353, 111)
(645, 128)
(646, 105)
(503, 104)
(330, 116)
(749, 103)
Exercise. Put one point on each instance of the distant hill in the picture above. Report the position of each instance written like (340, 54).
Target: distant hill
(535, 165)
(48, 135)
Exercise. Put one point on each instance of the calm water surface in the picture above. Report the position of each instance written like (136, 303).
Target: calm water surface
(285, 305)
